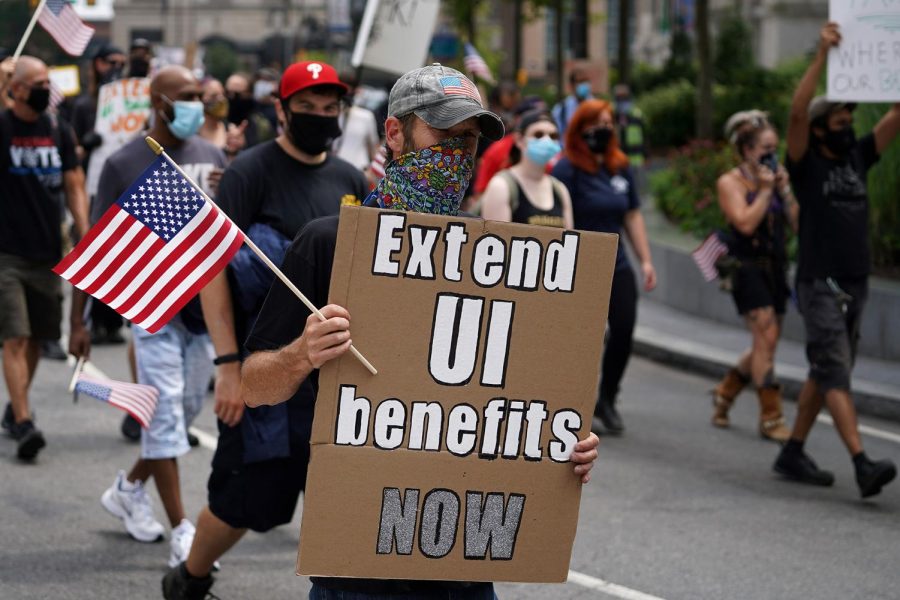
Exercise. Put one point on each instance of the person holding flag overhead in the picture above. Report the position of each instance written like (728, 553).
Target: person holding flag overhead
(154, 245)
(38, 170)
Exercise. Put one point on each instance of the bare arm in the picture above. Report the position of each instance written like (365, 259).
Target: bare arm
(79, 336)
(273, 377)
(637, 234)
(791, 207)
(887, 129)
(76, 199)
(798, 122)
(568, 215)
(495, 201)
(218, 314)
(732, 200)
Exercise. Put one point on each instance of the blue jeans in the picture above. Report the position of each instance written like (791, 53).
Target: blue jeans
(484, 592)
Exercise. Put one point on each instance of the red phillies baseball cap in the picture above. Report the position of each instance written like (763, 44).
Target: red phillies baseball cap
(302, 75)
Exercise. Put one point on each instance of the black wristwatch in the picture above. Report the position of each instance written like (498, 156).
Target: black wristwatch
(227, 358)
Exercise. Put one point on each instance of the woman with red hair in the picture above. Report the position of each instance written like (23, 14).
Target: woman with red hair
(604, 198)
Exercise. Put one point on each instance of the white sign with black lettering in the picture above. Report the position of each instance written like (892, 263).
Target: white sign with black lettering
(866, 65)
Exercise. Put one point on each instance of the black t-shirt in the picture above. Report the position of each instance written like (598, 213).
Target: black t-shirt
(84, 116)
(834, 212)
(307, 264)
(265, 185)
(33, 158)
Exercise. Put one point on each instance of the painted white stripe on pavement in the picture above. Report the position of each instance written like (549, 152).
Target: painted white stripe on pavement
(878, 433)
(609, 588)
(207, 440)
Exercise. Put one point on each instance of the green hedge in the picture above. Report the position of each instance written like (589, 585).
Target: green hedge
(884, 194)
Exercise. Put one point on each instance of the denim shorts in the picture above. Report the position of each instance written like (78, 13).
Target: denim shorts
(179, 364)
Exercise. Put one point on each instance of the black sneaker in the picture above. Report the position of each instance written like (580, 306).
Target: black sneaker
(30, 439)
(800, 467)
(131, 429)
(871, 476)
(193, 440)
(8, 419)
(177, 584)
(609, 416)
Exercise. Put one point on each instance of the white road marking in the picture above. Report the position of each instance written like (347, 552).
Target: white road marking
(609, 588)
(872, 431)
(207, 440)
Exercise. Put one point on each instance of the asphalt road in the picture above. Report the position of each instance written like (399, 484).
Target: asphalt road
(677, 509)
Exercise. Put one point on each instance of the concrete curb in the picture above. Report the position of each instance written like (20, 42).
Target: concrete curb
(871, 398)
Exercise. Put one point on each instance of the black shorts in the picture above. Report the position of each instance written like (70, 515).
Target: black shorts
(832, 330)
(30, 299)
(257, 496)
(758, 287)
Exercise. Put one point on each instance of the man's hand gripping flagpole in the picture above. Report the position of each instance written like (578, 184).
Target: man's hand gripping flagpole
(154, 145)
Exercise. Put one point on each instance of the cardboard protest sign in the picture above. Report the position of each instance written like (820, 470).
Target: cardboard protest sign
(395, 34)
(452, 462)
(866, 66)
(122, 109)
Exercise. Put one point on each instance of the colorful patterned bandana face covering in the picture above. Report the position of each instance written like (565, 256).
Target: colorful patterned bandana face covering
(431, 180)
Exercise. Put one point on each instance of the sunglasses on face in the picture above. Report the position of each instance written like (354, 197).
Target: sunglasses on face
(553, 135)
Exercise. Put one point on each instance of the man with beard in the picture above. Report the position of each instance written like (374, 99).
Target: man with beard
(39, 173)
(271, 191)
(427, 129)
(828, 168)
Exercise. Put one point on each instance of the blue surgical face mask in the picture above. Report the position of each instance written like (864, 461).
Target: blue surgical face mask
(541, 150)
(583, 90)
(188, 118)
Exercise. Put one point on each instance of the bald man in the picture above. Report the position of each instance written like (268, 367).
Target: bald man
(177, 360)
(39, 171)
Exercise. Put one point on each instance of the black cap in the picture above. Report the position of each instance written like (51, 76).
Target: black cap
(141, 43)
(107, 50)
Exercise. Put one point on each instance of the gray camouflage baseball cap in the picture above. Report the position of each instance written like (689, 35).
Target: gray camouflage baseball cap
(821, 106)
(442, 97)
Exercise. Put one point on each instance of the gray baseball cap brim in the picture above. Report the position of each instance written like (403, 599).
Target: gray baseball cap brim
(820, 106)
(453, 111)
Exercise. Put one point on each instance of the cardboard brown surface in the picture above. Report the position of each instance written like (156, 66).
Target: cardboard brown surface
(359, 511)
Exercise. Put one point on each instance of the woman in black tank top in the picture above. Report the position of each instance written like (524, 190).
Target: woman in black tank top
(525, 193)
(757, 203)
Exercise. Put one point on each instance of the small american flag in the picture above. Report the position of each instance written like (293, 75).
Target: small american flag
(56, 96)
(136, 399)
(475, 65)
(460, 86)
(154, 249)
(706, 255)
(63, 24)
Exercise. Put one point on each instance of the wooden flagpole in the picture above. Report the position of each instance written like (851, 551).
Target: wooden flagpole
(29, 29)
(154, 145)
(78, 368)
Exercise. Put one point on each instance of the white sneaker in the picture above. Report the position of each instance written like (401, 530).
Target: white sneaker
(182, 538)
(130, 502)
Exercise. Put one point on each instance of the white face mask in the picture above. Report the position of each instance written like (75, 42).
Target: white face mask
(263, 89)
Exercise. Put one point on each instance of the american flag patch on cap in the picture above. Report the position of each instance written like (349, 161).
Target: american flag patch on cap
(460, 86)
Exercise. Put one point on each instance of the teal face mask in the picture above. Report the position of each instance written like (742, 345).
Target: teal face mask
(541, 150)
(188, 117)
(583, 90)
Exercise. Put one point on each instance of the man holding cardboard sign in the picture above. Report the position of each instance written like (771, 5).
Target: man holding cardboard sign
(449, 465)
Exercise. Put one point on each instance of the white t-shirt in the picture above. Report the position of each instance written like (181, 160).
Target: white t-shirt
(360, 136)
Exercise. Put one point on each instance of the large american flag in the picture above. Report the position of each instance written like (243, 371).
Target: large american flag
(460, 86)
(154, 249)
(475, 65)
(706, 255)
(63, 24)
(136, 399)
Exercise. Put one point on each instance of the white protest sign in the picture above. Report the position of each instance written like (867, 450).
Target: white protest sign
(866, 66)
(395, 34)
(122, 109)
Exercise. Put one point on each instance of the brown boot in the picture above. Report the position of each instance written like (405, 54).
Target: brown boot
(724, 395)
(771, 420)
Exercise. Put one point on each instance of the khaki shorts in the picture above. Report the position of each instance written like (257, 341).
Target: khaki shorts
(30, 299)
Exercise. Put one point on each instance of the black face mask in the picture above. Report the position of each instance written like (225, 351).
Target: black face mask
(113, 74)
(597, 140)
(239, 108)
(138, 67)
(840, 142)
(313, 134)
(38, 99)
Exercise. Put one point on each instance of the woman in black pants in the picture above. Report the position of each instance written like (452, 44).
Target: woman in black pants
(604, 199)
